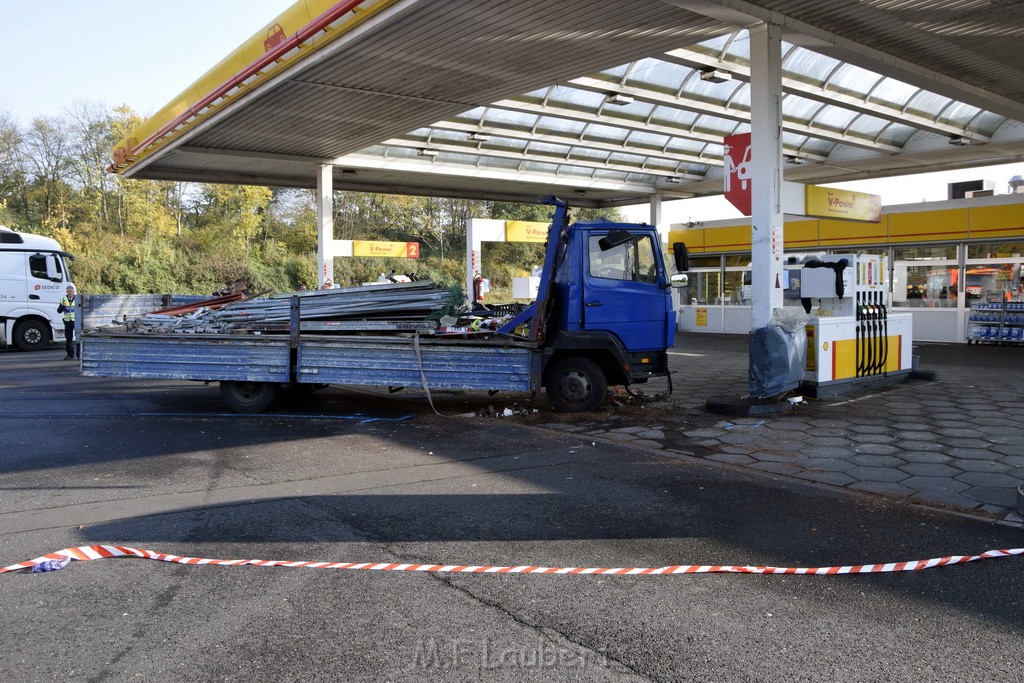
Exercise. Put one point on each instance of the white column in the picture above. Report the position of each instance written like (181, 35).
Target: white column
(324, 223)
(473, 247)
(766, 155)
(656, 210)
(478, 231)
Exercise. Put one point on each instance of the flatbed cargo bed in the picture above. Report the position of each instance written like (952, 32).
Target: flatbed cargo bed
(388, 360)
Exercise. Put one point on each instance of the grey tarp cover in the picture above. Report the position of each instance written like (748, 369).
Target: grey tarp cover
(777, 358)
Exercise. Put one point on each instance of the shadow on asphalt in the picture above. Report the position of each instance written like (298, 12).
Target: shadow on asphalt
(652, 509)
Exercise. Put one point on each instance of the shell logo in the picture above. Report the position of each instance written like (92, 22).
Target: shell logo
(825, 346)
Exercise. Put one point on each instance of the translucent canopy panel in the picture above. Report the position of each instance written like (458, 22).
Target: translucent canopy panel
(678, 118)
(893, 93)
(498, 162)
(800, 109)
(568, 169)
(605, 132)
(833, 118)
(959, 113)
(657, 75)
(500, 118)
(583, 153)
(572, 98)
(895, 134)
(567, 127)
(807, 66)
(645, 139)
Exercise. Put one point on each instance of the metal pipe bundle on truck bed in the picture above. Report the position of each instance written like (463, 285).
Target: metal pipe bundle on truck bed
(603, 317)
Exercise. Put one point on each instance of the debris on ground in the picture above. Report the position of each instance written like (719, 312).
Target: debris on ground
(492, 411)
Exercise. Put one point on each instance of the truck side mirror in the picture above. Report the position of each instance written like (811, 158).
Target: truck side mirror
(681, 257)
(679, 280)
(52, 269)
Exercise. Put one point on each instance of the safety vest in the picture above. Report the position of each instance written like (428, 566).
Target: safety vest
(69, 308)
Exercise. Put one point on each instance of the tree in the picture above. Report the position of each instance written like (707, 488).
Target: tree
(93, 137)
(13, 179)
(46, 146)
(236, 210)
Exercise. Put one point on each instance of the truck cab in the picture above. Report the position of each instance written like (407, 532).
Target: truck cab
(615, 284)
(604, 313)
(33, 278)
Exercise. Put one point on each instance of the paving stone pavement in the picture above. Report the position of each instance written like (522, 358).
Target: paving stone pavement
(957, 442)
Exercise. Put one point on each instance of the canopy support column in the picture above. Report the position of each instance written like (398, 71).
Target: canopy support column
(324, 223)
(656, 216)
(766, 188)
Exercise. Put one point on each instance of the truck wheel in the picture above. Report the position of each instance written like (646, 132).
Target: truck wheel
(248, 397)
(576, 385)
(31, 335)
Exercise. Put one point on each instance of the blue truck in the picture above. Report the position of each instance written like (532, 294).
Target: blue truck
(603, 317)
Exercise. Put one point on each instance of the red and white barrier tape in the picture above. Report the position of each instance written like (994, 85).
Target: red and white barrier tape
(97, 552)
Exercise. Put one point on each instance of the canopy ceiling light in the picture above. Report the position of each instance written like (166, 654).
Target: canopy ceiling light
(959, 140)
(712, 75)
(424, 152)
(674, 179)
(479, 136)
(618, 98)
(793, 159)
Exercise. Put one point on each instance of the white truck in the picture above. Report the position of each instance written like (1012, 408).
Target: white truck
(33, 277)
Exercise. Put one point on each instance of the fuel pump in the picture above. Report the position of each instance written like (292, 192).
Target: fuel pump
(852, 337)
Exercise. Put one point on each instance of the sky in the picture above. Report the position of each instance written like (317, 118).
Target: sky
(143, 53)
(137, 52)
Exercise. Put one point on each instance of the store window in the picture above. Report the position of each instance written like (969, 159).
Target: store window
(993, 272)
(735, 280)
(706, 261)
(993, 250)
(705, 280)
(925, 277)
(738, 284)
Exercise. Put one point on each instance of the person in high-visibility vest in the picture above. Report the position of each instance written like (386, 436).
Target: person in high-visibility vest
(69, 306)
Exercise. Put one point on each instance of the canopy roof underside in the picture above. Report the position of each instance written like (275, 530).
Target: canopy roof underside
(612, 102)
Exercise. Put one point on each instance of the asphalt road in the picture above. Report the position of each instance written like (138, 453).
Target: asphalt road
(357, 478)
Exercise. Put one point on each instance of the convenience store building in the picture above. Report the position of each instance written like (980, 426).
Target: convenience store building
(943, 258)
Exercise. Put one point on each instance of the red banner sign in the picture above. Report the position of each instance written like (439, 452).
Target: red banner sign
(737, 171)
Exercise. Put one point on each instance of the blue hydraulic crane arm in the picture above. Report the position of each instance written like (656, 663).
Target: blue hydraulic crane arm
(536, 311)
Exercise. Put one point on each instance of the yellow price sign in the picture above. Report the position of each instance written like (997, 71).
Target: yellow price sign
(828, 202)
(386, 249)
(526, 231)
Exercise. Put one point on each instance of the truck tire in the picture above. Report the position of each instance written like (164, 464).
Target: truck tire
(248, 397)
(31, 335)
(575, 385)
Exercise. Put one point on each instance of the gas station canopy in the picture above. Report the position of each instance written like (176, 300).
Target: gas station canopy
(606, 103)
